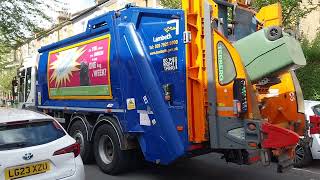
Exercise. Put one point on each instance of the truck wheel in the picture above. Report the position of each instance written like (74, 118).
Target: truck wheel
(79, 133)
(109, 157)
(273, 33)
(303, 156)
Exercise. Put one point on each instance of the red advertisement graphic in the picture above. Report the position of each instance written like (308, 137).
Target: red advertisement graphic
(81, 71)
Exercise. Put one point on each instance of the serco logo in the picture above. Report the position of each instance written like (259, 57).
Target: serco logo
(27, 156)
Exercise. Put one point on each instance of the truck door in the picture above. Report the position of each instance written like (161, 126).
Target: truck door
(226, 73)
(233, 112)
(230, 78)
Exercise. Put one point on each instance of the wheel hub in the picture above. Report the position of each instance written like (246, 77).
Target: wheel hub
(299, 154)
(274, 32)
(106, 149)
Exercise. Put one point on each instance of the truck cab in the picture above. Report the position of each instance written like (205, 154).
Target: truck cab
(24, 84)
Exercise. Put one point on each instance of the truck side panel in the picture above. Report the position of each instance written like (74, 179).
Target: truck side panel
(147, 78)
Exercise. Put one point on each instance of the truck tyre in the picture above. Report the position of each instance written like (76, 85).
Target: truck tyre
(109, 157)
(79, 133)
(273, 33)
(303, 156)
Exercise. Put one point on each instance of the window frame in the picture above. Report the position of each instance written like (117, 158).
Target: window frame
(235, 69)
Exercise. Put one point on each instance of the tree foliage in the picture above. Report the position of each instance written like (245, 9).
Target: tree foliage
(292, 10)
(172, 4)
(19, 20)
(6, 77)
(309, 76)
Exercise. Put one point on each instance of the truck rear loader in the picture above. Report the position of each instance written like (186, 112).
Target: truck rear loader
(270, 65)
(278, 91)
(164, 82)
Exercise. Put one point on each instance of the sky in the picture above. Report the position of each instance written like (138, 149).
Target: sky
(78, 5)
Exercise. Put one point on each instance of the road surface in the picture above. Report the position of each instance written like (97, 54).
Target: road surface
(208, 167)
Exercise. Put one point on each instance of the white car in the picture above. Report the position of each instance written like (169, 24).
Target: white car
(306, 152)
(35, 146)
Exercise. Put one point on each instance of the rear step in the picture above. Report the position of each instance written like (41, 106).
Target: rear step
(284, 163)
(277, 137)
(282, 143)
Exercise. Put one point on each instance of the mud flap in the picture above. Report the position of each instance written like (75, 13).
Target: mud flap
(285, 162)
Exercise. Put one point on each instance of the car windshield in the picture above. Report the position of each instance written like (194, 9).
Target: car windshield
(29, 133)
(316, 109)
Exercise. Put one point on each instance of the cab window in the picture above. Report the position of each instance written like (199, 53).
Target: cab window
(22, 86)
(28, 83)
(226, 68)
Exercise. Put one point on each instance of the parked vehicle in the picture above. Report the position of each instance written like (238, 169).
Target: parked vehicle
(147, 79)
(35, 146)
(306, 152)
(24, 85)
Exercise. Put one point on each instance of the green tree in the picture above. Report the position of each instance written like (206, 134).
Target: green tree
(6, 77)
(19, 20)
(172, 4)
(309, 75)
(292, 10)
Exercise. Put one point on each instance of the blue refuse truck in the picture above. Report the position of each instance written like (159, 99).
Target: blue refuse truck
(125, 89)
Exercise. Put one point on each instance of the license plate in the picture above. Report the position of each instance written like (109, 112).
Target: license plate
(27, 170)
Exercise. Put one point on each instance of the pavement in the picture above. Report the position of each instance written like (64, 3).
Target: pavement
(208, 167)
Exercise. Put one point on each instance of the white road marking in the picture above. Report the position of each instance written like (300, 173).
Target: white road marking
(309, 171)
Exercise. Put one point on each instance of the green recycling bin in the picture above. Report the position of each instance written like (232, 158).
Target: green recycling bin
(264, 55)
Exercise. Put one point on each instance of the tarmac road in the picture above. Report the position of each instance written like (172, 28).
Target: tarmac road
(208, 167)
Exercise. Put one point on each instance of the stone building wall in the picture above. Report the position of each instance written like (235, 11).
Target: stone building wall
(310, 25)
(76, 25)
